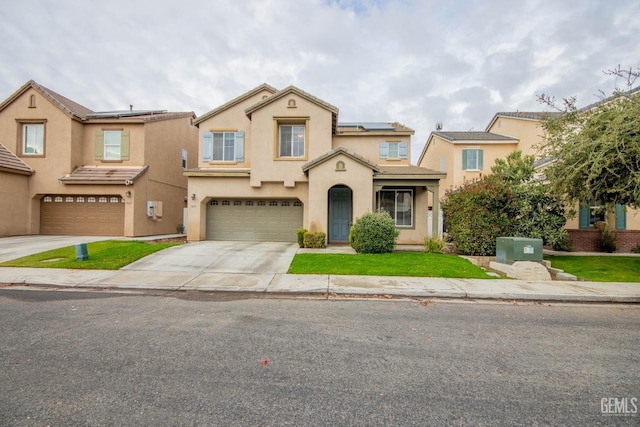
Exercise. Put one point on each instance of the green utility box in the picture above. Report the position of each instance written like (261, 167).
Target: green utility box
(81, 252)
(512, 249)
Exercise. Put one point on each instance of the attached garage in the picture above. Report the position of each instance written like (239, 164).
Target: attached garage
(88, 215)
(254, 220)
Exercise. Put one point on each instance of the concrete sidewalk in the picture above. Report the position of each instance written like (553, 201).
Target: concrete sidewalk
(128, 279)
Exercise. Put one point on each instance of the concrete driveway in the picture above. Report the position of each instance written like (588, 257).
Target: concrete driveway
(18, 246)
(220, 257)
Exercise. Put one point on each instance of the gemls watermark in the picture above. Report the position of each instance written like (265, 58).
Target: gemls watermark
(619, 406)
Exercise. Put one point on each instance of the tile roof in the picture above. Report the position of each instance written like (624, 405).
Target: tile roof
(366, 127)
(9, 162)
(336, 151)
(473, 136)
(532, 115)
(144, 116)
(286, 91)
(408, 170)
(69, 107)
(104, 175)
(235, 101)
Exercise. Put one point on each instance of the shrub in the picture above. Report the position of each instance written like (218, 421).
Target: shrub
(607, 242)
(314, 240)
(434, 245)
(300, 234)
(374, 233)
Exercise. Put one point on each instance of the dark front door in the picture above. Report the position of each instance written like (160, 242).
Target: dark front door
(339, 214)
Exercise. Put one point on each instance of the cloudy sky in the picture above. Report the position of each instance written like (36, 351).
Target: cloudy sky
(414, 61)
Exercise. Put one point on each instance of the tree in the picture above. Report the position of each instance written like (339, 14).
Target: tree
(595, 151)
(506, 203)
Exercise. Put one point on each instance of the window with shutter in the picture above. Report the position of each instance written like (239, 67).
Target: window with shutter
(394, 150)
(621, 217)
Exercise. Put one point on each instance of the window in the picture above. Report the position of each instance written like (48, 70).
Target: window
(33, 139)
(291, 140)
(399, 204)
(472, 159)
(112, 145)
(184, 159)
(223, 147)
(589, 215)
(394, 150)
(112, 140)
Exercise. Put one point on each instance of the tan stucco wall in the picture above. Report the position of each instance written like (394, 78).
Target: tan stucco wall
(264, 166)
(232, 119)
(356, 176)
(529, 132)
(437, 148)
(369, 147)
(14, 193)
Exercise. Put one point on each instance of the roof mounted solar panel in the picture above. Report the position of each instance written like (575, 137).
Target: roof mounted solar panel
(367, 125)
(123, 113)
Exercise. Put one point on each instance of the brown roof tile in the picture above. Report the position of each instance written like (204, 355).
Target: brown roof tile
(9, 162)
(104, 175)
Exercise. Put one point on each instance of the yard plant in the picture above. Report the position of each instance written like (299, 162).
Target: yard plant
(103, 255)
(416, 264)
(374, 233)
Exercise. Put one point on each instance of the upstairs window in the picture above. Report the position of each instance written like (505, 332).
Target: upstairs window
(112, 145)
(394, 150)
(291, 141)
(472, 159)
(33, 139)
(223, 147)
(184, 159)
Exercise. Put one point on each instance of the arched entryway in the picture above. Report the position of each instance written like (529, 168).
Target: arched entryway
(340, 209)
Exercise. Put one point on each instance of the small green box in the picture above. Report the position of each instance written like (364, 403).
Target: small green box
(512, 249)
(81, 252)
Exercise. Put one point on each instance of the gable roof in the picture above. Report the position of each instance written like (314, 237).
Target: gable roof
(9, 162)
(235, 101)
(473, 136)
(287, 91)
(525, 115)
(337, 151)
(67, 106)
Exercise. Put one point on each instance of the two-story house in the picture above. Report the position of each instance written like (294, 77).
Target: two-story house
(68, 170)
(465, 156)
(271, 161)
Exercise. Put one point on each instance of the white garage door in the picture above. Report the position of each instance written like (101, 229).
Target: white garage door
(254, 220)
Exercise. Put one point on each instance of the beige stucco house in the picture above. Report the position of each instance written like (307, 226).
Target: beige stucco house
(271, 161)
(465, 156)
(67, 170)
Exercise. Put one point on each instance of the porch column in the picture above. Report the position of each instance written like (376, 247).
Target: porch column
(435, 220)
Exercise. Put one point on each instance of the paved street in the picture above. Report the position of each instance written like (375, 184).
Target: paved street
(80, 358)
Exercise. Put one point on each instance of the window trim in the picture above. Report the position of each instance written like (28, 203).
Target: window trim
(401, 147)
(479, 159)
(290, 121)
(207, 139)
(395, 198)
(21, 135)
(104, 154)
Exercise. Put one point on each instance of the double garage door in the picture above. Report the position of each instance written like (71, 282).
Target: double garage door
(254, 220)
(82, 215)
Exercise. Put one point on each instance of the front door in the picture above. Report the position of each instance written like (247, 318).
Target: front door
(339, 214)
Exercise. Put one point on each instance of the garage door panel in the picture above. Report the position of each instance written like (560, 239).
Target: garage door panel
(254, 220)
(82, 215)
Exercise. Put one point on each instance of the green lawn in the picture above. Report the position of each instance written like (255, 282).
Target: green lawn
(418, 264)
(104, 255)
(599, 268)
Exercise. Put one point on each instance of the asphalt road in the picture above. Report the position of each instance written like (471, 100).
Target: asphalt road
(110, 359)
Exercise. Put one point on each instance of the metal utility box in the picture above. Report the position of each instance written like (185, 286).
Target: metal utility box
(81, 252)
(512, 249)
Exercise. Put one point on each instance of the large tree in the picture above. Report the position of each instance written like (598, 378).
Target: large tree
(594, 152)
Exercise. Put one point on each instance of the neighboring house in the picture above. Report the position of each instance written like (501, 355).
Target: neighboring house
(273, 161)
(465, 156)
(68, 170)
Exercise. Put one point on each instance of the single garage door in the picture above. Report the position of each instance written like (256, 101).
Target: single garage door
(82, 215)
(254, 220)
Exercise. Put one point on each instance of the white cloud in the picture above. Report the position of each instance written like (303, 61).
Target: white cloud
(415, 61)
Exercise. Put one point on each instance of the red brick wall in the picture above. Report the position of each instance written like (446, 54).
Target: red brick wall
(587, 240)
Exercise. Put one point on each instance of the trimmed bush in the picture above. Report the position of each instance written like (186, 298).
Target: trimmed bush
(374, 233)
(300, 235)
(315, 240)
